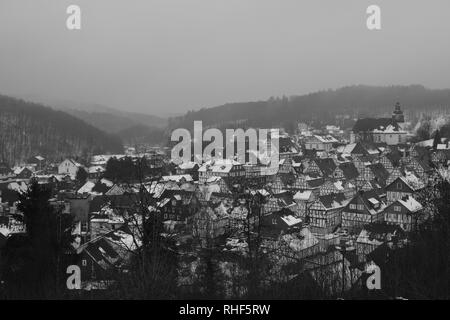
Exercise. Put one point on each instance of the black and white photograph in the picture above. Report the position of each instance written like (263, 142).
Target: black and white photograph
(224, 155)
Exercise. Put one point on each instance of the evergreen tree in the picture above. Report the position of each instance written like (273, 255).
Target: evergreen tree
(436, 139)
(81, 176)
(31, 261)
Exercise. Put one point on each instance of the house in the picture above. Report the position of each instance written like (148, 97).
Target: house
(95, 172)
(380, 130)
(394, 174)
(420, 166)
(188, 167)
(353, 149)
(178, 205)
(405, 212)
(180, 179)
(23, 173)
(221, 168)
(211, 221)
(346, 170)
(374, 235)
(279, 222)
(324, 215)
(329, 187)
(297, 244)
(278, 202)
(320, 143)
(361, 162)
(364, 208)
(104, 258)
(375, 172)
(403, 186)
(390, 160)
(323, 166)
(303, 199)
(69, 167)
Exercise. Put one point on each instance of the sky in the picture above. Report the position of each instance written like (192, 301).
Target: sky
(166, 57)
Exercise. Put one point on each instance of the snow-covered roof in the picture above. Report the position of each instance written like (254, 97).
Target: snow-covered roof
(290, 220)
(187, 165)
(87, 187)
(414, 182)
(96, 169)
(219, 166)
(305, 241)
(326, 139)
(18, 186)
(177, 178)
(374, 201)
(107, 182)
(303, 195)
(411, 204)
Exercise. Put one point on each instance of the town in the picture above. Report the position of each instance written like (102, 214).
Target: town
(143, 225)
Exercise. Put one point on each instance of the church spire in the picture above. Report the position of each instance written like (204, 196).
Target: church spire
(397, 115)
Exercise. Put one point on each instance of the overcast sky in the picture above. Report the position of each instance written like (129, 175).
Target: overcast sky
(170, 56)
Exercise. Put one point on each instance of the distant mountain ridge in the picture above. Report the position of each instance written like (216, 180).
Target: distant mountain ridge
(320, 107)
(102, 117)
(28, 129)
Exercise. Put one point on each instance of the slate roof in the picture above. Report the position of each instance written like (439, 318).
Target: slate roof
(349, 170)
(380, 172)
(326, 165)
(370, 124)
(333, 200)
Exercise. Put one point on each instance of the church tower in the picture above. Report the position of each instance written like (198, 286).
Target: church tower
(397, 115)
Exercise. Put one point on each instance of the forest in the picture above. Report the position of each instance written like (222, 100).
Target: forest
(29, 129)
(322, 107)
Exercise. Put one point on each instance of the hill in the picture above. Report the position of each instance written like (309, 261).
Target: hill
(28, 129)
(143, 134)
(102, 117)
(321, 107)
(116, 121)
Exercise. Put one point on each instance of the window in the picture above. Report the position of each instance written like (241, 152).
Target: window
(399, 185)
(84, 262)
(360, 207)
(274, 221)
(397, 208)
(353, 206)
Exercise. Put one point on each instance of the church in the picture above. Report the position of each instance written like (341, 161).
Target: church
(381, 130)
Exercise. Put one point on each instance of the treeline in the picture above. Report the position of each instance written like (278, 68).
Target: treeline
(143, 134)
(321, 107)
(28, 129)
(132, 170)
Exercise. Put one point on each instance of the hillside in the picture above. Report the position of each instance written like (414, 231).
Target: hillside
(321, 107)
(116, 121)
(102, 117)
(28, 129)
(143, 134)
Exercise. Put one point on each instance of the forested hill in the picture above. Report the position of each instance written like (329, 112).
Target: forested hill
(321, 106)
(28, 129)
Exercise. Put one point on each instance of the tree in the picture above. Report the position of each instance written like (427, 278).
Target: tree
(419, 270)
(423, 132)
(437, 139)
(81, 176)
(31, 261)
